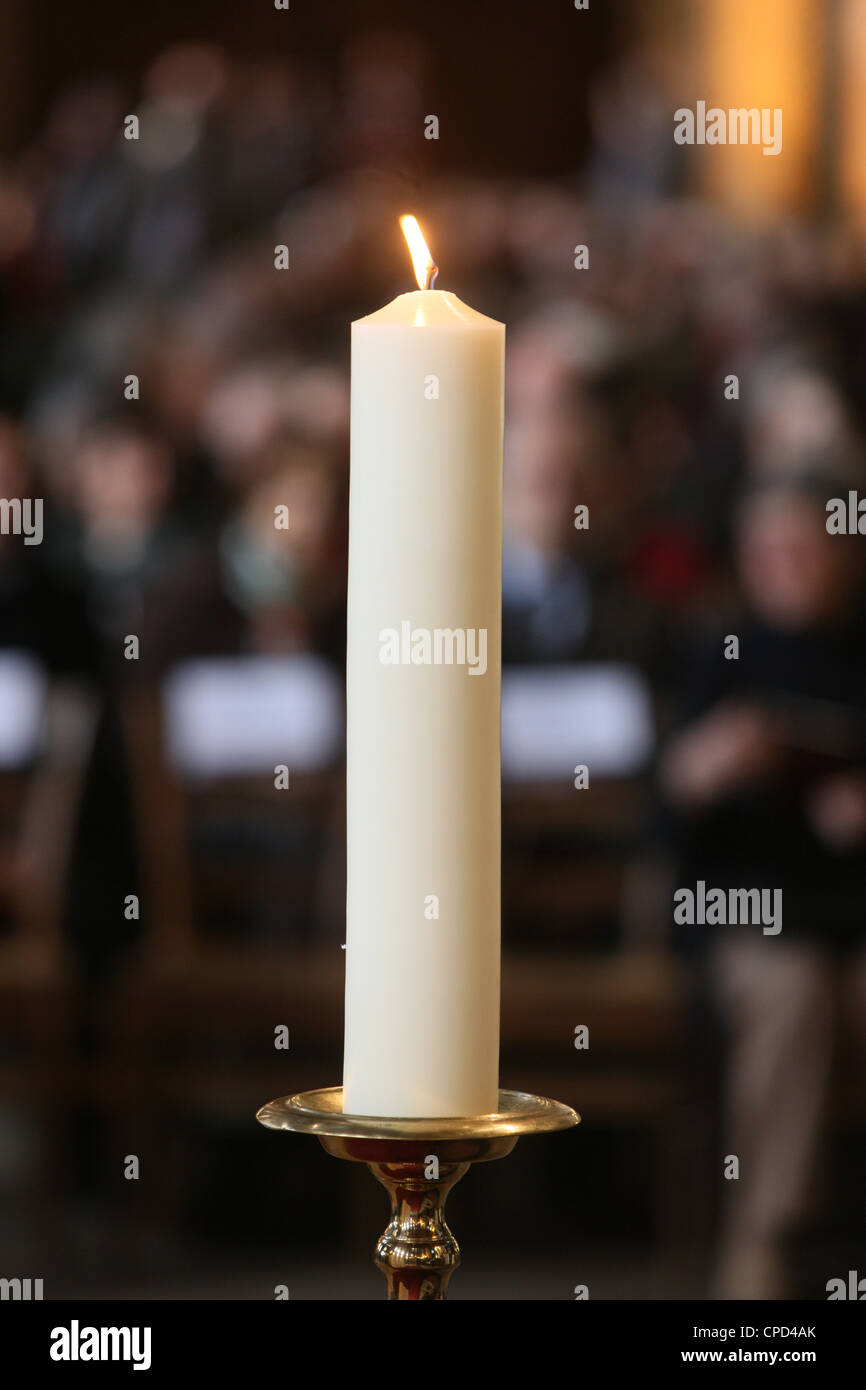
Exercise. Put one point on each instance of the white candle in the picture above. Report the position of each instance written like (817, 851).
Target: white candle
(423, 680)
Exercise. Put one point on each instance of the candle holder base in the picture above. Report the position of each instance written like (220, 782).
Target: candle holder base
(417, 1161)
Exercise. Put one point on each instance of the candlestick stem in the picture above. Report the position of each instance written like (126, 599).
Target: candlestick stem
(417, 1252)
(417, 1161)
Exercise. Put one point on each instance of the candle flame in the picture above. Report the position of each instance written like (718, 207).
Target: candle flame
(425, 268)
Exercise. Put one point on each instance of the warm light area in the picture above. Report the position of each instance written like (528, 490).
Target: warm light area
(425, 267)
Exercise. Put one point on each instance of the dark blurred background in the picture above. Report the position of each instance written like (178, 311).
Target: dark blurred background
(164, 906)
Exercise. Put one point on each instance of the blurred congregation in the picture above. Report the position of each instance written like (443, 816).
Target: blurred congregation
(682, 402)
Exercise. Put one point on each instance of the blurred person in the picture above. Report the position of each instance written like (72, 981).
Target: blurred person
(381, 96)
(114, 541)
(548, 599)
(187, 77)
(83, 184)
(45, 613)
(315, 404)
(563, 597)
(59, 409)
(561, 346)
(767, 784)
(23, 273)
(633, 158)
(241, 413)
(672, 558)
(265, 144)
(179, 365)
(258, 586)
(81, 376)
(797, 412)
(167, 234)
(263, 396)
(119, 534)
(38, 613)
(180, 361)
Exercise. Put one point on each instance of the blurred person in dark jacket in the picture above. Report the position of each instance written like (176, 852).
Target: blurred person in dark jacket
(44, 611)
(767, 784)
(38, 613)
(119, 535)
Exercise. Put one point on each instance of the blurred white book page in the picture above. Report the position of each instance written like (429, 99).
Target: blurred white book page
(554, 717)
(23, 691)
(239, 715)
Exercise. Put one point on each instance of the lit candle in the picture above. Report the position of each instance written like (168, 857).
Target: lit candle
(423, 680)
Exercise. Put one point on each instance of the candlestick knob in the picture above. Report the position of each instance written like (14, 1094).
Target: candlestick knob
(417, 1252)
(417, 1161)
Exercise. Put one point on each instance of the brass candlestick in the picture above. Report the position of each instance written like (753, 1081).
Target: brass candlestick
(418, 1161)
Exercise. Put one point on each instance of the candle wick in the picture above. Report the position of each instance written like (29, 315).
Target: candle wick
(432, 273)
